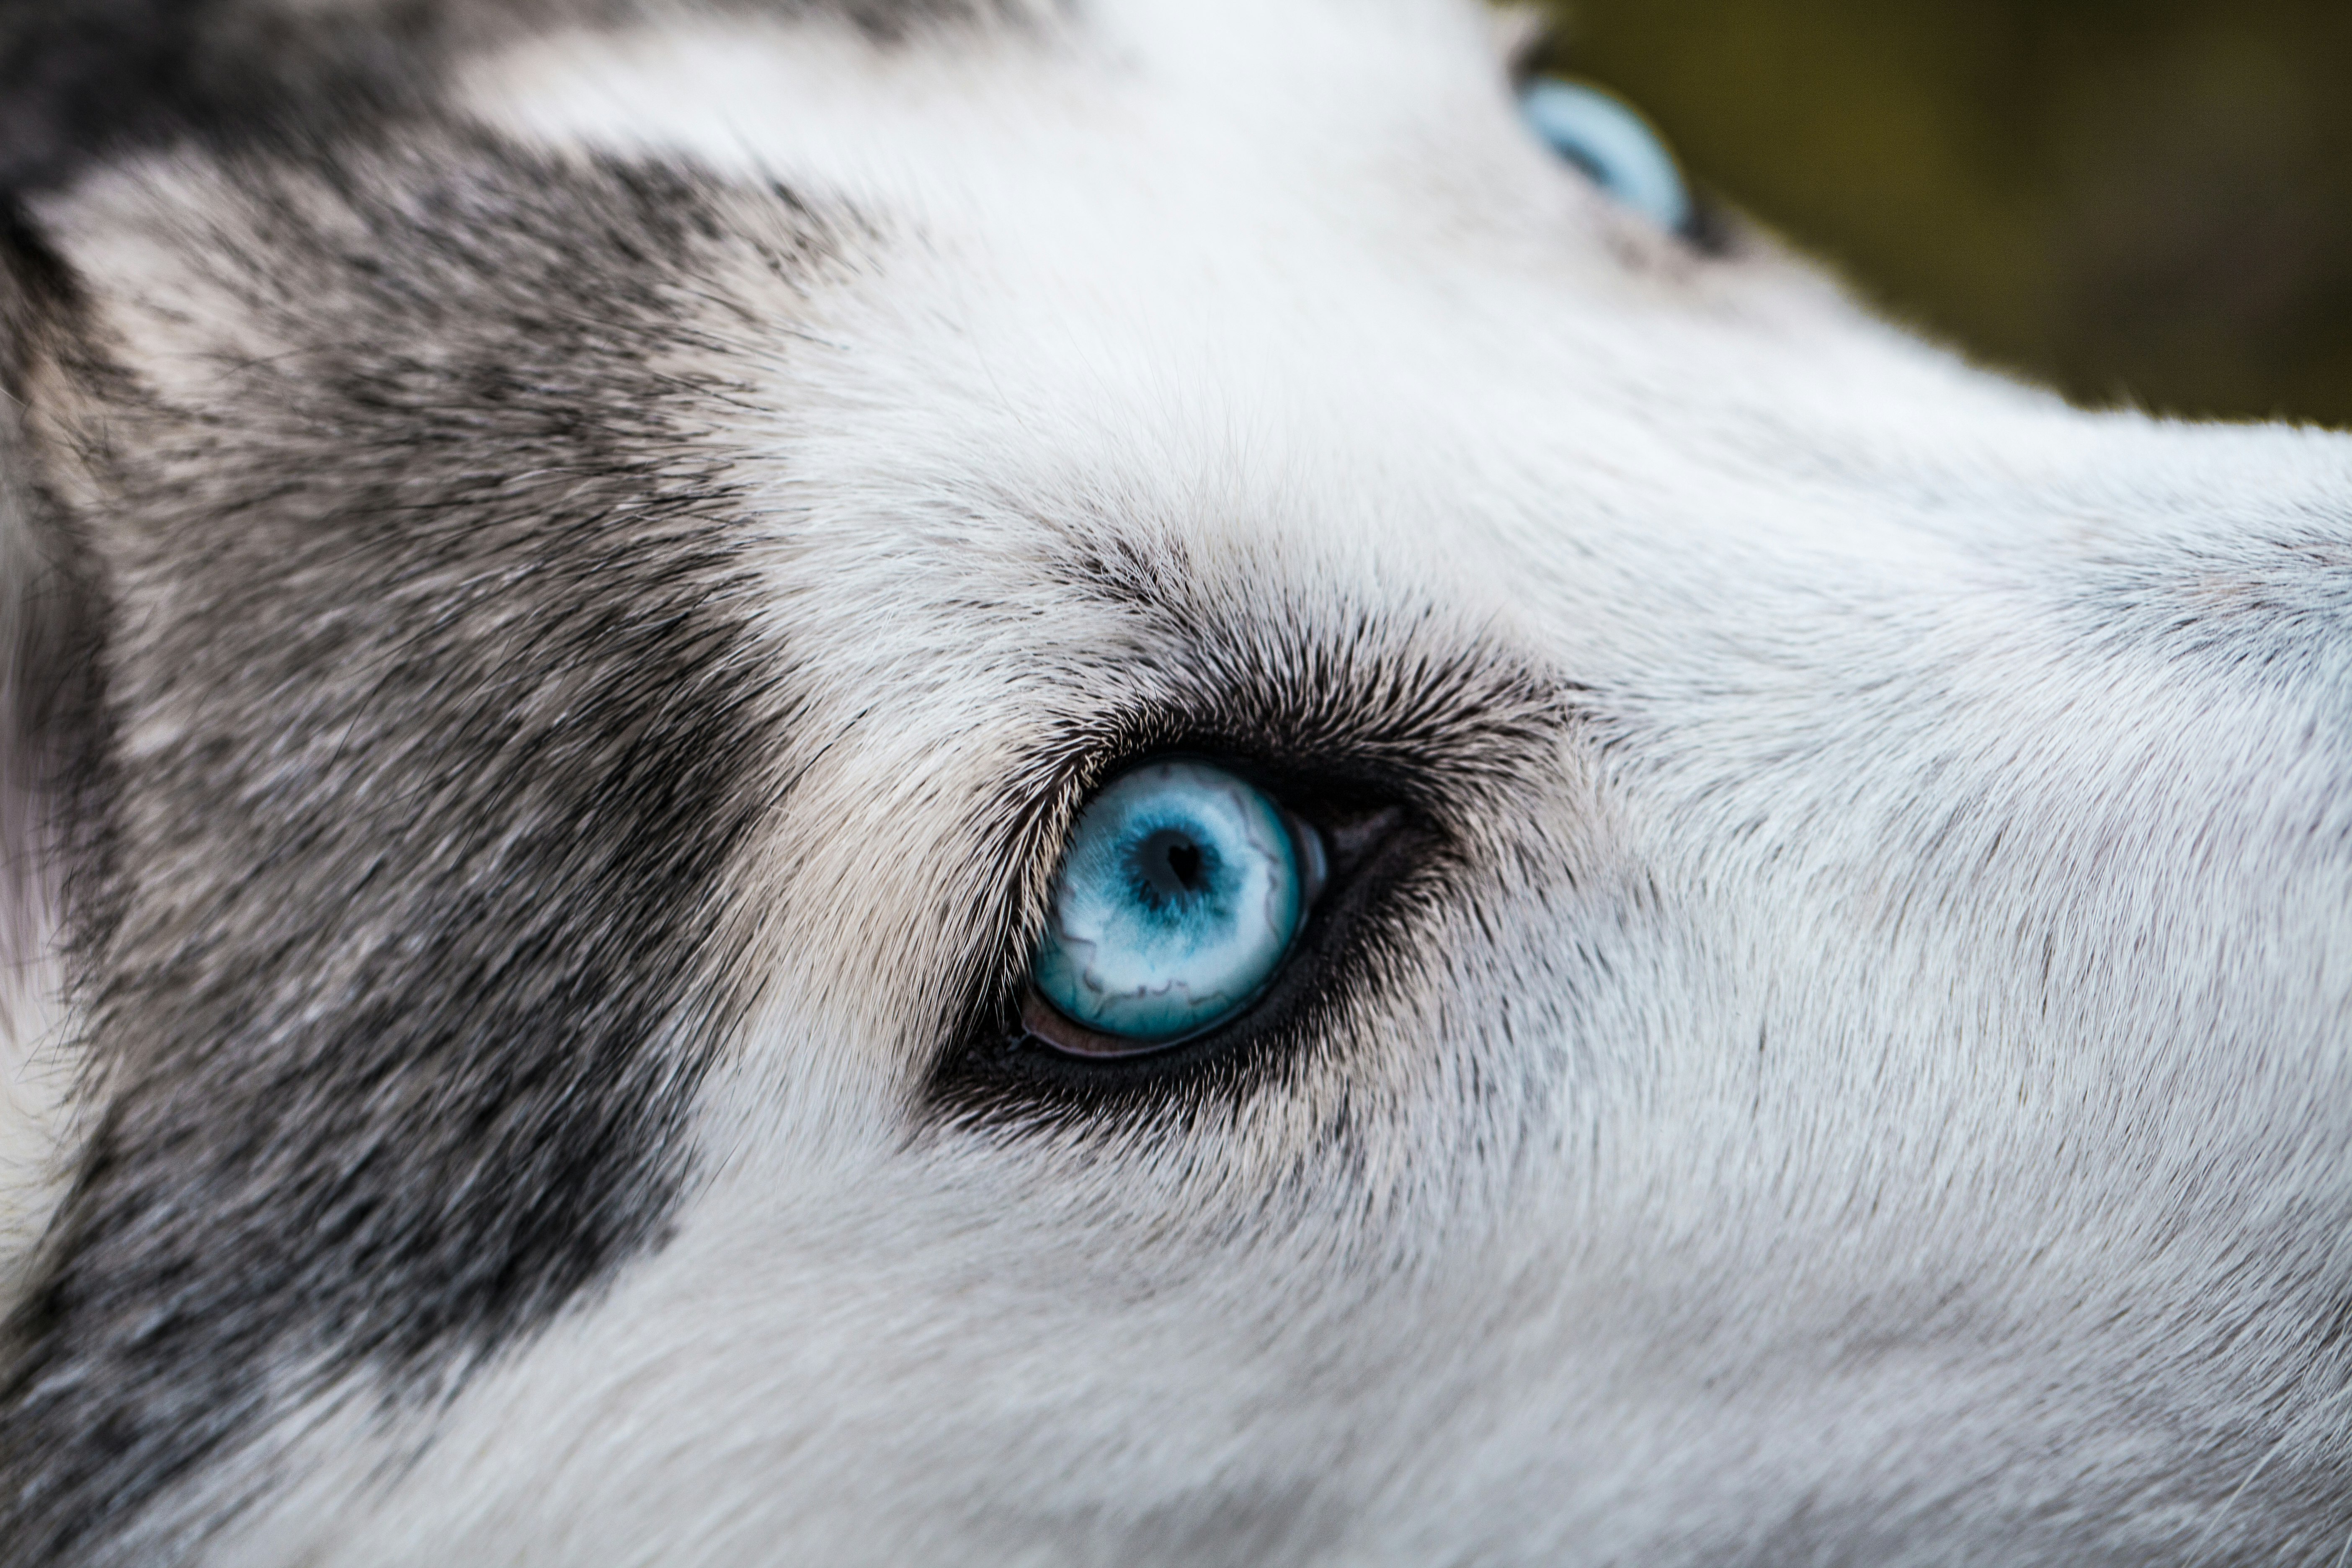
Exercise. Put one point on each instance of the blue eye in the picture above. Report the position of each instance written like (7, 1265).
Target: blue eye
(1183, 890)
(1613, 144)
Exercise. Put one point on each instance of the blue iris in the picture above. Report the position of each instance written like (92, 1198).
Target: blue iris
(1180, 894)
(1611, 144)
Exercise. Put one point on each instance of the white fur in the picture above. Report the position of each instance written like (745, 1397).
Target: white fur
(1612, 1279)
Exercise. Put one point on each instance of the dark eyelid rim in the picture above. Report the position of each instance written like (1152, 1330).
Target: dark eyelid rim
(1530, 39)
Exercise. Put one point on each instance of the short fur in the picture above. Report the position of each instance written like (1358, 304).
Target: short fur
(568, 568)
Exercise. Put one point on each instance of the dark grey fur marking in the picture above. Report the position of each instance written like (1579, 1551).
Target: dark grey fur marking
(401, 946)
(89, 80)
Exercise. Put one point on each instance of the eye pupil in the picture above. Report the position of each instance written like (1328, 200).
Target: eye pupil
(1174, 864)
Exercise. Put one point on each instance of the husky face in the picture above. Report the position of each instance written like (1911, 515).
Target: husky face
(572, 575)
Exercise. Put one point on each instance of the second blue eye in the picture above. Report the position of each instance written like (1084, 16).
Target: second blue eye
(1181, 893)
(1612, 144)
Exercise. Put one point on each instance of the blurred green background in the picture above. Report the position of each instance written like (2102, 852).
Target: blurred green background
(2138, 200)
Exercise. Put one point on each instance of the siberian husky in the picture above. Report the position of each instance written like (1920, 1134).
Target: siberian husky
(863, 782)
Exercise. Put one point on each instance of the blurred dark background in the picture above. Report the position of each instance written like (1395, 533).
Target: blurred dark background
(2138, 200)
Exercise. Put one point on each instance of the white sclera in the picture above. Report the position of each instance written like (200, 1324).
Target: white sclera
(1178, 898)
(1612, 142)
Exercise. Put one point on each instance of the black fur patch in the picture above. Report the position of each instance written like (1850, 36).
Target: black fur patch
(88, 81)
(441, 725)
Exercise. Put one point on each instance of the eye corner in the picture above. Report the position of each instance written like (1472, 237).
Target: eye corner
(1716, 230)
